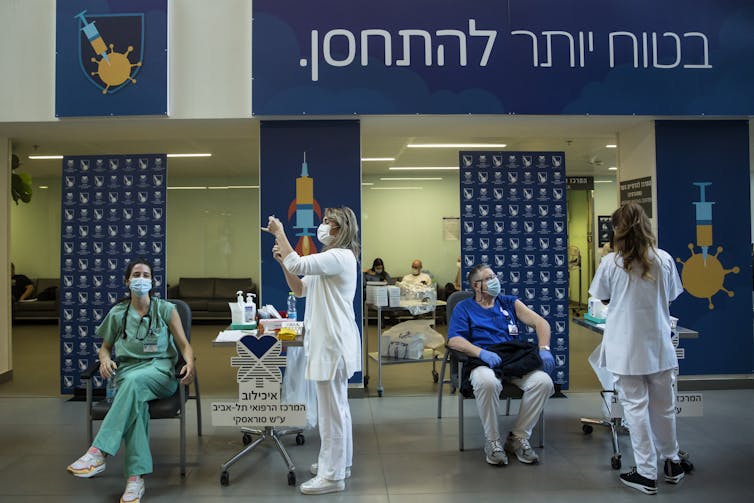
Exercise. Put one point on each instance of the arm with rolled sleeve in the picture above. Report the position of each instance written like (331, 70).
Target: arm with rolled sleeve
(542, 328)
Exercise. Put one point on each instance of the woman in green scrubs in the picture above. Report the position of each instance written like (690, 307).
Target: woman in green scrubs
(139, 330)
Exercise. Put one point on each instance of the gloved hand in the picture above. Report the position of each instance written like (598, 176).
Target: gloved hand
(491, 359)
(548, 362)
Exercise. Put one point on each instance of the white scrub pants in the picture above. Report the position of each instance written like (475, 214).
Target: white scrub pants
(649, 409)
(537, 387)
(335, 430)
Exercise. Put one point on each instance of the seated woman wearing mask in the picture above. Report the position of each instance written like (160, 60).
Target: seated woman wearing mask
(377, 272)
(137, 328)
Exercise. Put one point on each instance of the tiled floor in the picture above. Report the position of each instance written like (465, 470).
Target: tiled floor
(403, 453)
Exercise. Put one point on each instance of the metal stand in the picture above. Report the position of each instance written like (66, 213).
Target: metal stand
(614, 423)
(268, 432)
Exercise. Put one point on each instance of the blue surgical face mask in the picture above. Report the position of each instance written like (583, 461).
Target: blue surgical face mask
(140, 286)
(493, 287)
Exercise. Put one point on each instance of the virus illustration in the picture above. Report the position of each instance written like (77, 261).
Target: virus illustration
(703, 274)
(115, 69)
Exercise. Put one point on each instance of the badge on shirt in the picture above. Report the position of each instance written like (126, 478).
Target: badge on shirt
(150, 342)
(513, 329)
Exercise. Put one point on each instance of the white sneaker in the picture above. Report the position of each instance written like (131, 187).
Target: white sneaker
(87, 465)
(314, 467)
(321, 485)
(134, 491)
(521, 448)
(494, 453)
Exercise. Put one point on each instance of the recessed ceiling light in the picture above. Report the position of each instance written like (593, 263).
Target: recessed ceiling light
(377, 159)
(603, 181)
(611, 145)
(43, 187)
(367, 183)
(38, 157)
(190, 155)
(613, 168)
(411, 178)
(396, 188)
(423, 168)
(188, 188)
(456, 145)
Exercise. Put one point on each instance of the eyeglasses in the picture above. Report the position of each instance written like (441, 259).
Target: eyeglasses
(485, 279)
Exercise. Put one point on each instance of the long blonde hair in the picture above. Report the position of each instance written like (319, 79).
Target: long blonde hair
(633, 238)
(348, 236)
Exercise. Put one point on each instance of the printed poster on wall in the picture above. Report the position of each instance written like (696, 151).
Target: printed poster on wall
(111, 58)
(306, 167)
(514, 218)
(113, 211)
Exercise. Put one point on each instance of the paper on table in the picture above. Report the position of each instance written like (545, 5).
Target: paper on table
(233, 335)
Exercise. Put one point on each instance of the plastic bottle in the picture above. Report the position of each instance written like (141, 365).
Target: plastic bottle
(250, 309)
(291, 308)
(111, 388)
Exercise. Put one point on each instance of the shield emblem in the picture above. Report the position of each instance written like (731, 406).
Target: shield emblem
(111, 49)
(482, 176)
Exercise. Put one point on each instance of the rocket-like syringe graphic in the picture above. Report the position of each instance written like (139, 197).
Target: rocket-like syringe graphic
(703, 220)
(93, 35)
(304, 206)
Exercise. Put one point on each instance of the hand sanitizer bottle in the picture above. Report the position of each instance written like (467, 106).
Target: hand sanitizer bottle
(250, 309)
(291, 307)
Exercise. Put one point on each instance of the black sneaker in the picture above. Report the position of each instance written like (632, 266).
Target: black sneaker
(674, 472)
(639, 482)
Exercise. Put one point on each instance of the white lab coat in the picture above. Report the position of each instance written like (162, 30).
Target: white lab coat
(636, 340)
(331, 331)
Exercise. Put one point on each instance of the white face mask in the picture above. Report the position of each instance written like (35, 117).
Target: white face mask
(140, 286)
(415, 271)
(323, 234)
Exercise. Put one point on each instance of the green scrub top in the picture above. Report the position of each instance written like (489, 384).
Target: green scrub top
(147, 338)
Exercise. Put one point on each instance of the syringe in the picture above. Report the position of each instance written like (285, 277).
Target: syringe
(95, 39)
(703, 221)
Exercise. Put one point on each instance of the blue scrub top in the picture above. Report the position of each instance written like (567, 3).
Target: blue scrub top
(482, 326)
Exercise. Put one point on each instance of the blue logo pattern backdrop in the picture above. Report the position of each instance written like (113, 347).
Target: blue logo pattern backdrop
(513, 217)
(113, 211)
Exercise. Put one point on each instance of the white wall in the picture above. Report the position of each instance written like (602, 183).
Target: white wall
(209, 68)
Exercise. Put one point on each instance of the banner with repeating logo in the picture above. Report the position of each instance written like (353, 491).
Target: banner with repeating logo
(113, 211)
(513, 218)
(111, 57)
(305, 168)
(640, 57)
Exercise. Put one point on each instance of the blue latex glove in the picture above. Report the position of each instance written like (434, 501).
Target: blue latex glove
(548, 362)
(491, 359)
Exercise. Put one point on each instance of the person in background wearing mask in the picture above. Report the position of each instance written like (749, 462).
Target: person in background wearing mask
(377, 272)
(139, 328)
(21, 286)
(332, 344)
(477, 325)
(639, 281)
(417, 277)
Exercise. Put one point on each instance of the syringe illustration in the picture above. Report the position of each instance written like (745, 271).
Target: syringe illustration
(93, 35)
(703, 220)
(305, 206)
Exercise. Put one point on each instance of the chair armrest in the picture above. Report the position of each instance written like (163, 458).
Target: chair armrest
(90, 371)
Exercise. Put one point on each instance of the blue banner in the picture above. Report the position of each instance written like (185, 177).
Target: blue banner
(704, 223)
(514, 218)
(111, 58)
(617, 57)
(113, 212)
(305, 168)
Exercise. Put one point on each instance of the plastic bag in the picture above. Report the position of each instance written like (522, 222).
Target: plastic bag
(419, 299)
(432, 338)
(406, 346)
(296, 388)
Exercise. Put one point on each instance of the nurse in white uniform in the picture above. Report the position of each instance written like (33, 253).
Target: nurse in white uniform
(639, 281)
(332, 343)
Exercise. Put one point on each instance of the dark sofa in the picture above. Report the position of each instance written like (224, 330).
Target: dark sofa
(208, 297)
(42, 310)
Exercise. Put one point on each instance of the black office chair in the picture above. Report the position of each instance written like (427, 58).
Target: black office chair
(173, 407)
(455, 360)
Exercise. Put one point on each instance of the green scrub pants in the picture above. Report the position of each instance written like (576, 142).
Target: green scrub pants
(128, 418)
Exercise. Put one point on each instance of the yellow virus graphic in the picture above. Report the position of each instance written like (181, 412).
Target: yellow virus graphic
(115, 69)
(704, 278)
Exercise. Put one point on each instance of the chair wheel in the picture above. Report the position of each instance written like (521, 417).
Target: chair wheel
(300, 439)
(615, 462)
(224, 478)
(587, 429)
(435, 376)
(291, 478)
(246, 438)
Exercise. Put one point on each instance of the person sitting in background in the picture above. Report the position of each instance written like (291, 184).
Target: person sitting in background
(21, 286)
(417, 277)
(377, 272)
(146, 334)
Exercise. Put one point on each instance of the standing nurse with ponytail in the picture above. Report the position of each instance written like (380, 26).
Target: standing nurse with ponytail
(144, 331)
(332, 344)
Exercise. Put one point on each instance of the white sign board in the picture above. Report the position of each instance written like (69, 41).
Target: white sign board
(259, 378)
(688, 405)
